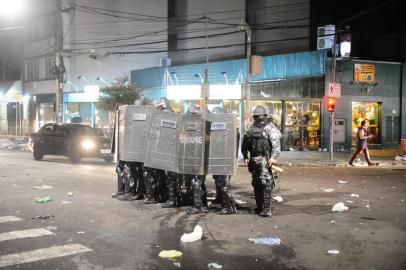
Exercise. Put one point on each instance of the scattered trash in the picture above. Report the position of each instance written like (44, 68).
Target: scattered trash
(354, 195)
(368, 218)
(358, 159)
(402, 158)
(324, 149)
(367, 206)
(81, 232)
(52, 228)
(291, 149)
(289, 164)
(350, 201)
(342, 182)
(43, 199)
(333, 252)
(211, 198)
(333, 222)
(193, 236)
(271, 241)
(339, 207)
(170, 254)
(239, 201)
(43, 217)
(177, 264)
(328, 190)
(214, 266)
(66, 202)
(44, 187)
(70, 193)
(278, 198)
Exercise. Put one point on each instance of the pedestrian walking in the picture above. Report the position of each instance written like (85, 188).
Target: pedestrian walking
(362, 144)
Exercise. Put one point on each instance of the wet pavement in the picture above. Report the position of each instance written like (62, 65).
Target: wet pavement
(129, 235)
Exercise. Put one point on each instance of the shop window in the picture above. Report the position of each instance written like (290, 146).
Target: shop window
(366, 111)
(302, 124)
(273, 107)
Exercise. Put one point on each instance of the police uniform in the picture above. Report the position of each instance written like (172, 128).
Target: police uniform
(261, 143)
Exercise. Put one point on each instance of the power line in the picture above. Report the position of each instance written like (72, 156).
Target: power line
(212, 47)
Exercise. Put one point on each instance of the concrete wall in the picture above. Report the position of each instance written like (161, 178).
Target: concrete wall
(96, 33)
(387, 77)
(220, 11)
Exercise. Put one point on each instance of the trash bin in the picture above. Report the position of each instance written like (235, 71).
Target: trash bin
(403, 147)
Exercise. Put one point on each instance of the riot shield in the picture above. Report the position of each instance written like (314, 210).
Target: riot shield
(192, 142)
(162, 152)
(134, 126)
(221, 152)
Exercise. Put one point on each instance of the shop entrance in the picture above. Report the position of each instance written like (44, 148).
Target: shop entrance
(301, 125)
(366, 111)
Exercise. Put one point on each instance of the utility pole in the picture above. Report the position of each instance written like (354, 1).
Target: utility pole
(247, 29)
(59, 65)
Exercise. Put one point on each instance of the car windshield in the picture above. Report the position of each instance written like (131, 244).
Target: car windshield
(81, 130)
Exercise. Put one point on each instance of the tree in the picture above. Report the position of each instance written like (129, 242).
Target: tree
(121, 92)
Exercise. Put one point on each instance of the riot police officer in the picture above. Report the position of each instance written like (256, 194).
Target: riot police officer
(261, 149)
(156, 187)
(196, 182)
(224, 193)
(120, 180)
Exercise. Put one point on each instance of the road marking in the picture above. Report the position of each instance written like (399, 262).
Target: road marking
(24, 234)
(42, 254)
(9, 219)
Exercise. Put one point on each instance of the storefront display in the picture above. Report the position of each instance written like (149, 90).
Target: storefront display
(366, 111)
(302, 124)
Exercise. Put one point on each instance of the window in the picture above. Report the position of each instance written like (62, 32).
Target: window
(48, 129)
(173, 42)
(366, 111)
(61, 131)
(171, 8)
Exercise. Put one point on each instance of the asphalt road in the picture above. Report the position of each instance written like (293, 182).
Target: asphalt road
(90, 230)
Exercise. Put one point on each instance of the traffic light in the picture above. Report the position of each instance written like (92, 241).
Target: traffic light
(331, 104)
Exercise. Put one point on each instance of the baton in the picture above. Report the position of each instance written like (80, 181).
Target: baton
(276, 168)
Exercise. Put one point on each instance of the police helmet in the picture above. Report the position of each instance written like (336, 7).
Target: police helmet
(217, 109)
(193, 109)
(259, 110)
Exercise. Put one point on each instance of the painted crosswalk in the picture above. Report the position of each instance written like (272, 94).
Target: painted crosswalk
(9, 219)
(47, 253)
(24, 234)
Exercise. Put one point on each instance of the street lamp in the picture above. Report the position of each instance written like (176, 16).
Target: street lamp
(244, 27)
(11, 8)
(80, 77)
(225, 76)
(102, 80)
(176, 77)
(197, 75)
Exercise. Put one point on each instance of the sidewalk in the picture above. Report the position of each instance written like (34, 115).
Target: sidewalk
(317, 158)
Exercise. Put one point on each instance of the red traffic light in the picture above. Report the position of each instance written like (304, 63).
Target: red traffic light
(331, 104)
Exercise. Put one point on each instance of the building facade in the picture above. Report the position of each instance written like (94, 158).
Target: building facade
(294, 87)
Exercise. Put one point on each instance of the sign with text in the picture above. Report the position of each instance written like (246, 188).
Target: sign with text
(334, 90)
(364, 72)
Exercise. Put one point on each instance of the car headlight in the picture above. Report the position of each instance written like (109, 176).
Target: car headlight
(88, 144)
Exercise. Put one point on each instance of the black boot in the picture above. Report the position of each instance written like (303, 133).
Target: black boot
(149, 188)
(266, 212)
(120, 188)
(228, 203)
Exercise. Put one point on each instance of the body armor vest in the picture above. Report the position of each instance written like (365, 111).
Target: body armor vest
(261, 146)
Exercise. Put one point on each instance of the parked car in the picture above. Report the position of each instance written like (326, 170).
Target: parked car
(75, 141)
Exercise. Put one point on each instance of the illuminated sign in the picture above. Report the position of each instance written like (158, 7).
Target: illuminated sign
(184, 92)
(225, 91)
(364, 72)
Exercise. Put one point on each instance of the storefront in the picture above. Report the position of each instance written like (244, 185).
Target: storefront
(295, 105)
(367, 111)
(84, 106)
(372, 91)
